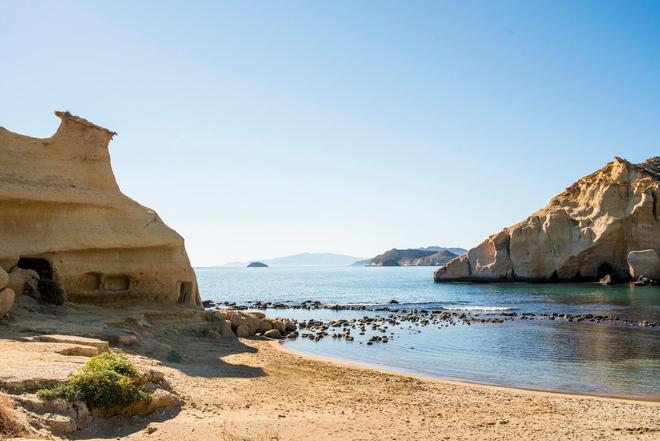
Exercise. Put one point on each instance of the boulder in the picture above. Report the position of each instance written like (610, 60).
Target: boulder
(59, 424)
(160, 399)
(240, 319)
(228, 332)
(7, 298)
(273, 333)
(4, 278)
(24, 281)
(645, 263)
(279, 325)
(583, 234)
(264, 326)
(243, 331)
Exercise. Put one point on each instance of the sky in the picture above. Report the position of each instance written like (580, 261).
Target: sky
(259, 129)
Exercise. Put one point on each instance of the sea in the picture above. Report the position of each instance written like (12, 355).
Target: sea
(612, 358)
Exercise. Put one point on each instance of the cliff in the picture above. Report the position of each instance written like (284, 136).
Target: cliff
(63, 215)
(585, 233)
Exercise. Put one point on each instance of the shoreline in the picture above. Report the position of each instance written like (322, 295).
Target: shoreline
(254, 388)
(281, 345)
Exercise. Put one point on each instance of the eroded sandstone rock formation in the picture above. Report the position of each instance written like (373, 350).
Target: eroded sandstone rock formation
(62, 214)
(584, 233)
(6, 294)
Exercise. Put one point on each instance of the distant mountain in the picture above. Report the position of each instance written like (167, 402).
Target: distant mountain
(257, 265)
(425, 256)
(305, 259)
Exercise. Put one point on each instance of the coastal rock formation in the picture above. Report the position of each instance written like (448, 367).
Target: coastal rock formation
(644, 263)
(412, 257)
(62, 215)
(257, 265)
(584, 233)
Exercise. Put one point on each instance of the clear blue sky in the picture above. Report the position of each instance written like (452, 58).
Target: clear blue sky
(259, 129)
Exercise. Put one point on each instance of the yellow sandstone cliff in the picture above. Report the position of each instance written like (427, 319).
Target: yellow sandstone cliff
(62, 214)
(607, 223)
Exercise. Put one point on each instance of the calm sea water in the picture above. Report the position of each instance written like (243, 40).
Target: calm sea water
(602, 359)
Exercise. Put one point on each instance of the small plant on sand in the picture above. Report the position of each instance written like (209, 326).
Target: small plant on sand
(105, 381)
(51, 292)
(9, 425)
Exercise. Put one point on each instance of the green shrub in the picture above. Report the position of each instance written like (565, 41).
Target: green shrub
(105, 381)
(51, 292)
(174, 357)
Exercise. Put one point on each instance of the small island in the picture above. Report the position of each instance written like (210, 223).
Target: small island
(257, 265)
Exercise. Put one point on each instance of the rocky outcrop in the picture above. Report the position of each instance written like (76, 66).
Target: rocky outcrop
(62, 215)
(583, 234)
(412, 257)
(257, 265)
(644, 264)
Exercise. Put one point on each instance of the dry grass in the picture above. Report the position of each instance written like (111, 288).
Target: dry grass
(10, 426)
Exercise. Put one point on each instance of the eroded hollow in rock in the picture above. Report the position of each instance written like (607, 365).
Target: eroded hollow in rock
(42, 266)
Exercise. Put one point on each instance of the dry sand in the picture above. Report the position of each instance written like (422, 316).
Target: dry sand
(261, 391)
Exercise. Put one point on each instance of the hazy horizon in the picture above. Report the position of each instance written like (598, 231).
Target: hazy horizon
(270, 129)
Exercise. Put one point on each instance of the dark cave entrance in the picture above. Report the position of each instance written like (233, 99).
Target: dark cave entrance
(42, 266)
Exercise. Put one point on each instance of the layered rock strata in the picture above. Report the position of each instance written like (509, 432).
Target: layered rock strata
(583, 234)
(62, 215)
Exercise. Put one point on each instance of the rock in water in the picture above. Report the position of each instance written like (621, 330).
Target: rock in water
(584, 233)
(63, 209)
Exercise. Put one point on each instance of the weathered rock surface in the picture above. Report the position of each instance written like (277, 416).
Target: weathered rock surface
(7, 298)
(645, 263)
(97, 243)
(100, 345)
(24, 281)
(584, 233)
(30, 365)
(160, 399)
(7, 295)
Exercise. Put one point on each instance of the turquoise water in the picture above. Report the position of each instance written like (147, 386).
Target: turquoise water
(603, 359)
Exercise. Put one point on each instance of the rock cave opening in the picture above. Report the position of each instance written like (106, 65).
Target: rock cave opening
(42, 266)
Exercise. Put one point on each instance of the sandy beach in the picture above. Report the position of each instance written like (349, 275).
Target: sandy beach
(259, 390)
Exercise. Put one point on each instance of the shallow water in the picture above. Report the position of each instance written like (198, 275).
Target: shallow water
(586, 357)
